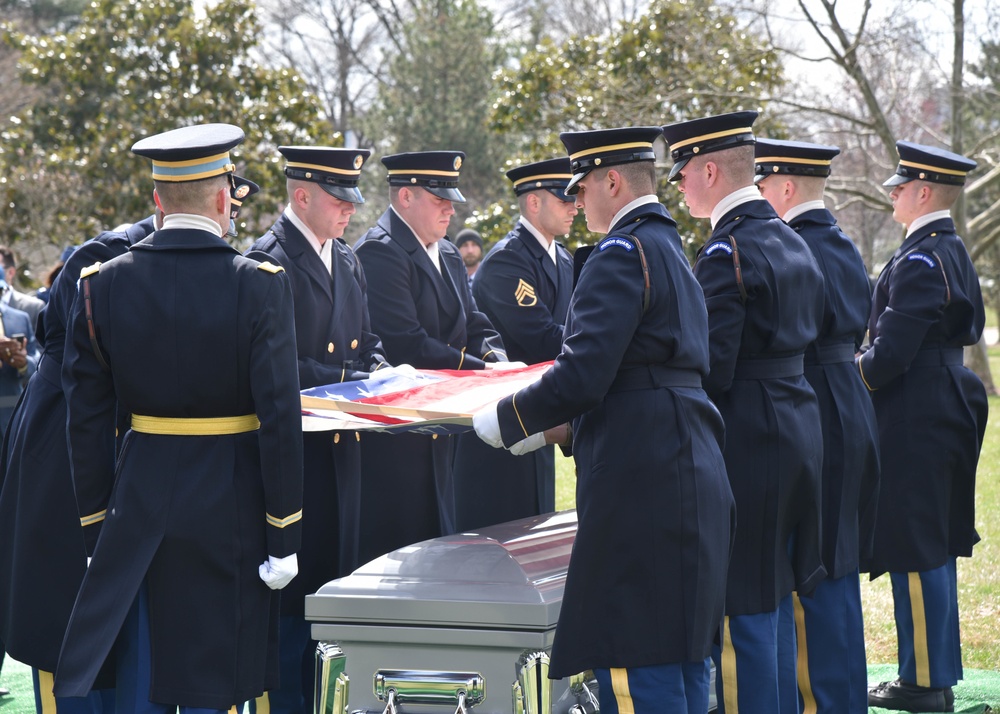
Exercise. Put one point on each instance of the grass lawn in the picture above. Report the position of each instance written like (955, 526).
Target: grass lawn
(978, 577)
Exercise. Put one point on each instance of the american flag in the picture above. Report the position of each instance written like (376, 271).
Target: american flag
(403, 399)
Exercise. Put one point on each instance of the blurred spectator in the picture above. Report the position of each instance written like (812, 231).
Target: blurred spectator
(470, 246)
(50, 277)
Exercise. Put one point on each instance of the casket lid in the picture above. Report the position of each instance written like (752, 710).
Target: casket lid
(509, 576)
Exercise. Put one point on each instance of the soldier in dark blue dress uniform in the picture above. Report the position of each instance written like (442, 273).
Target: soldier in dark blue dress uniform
(199, 520)
(423, 310)
(764, 293)
(931, 415)
(833, 676)
(523, 286)
(646, 583)
(39, 521)
(334, 343)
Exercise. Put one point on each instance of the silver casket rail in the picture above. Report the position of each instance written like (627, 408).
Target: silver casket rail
(462, 623)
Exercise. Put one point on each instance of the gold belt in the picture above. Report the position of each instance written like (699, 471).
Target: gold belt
(208, 426)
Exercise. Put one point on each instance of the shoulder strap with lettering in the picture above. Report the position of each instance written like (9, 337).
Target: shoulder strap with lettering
(940, 266)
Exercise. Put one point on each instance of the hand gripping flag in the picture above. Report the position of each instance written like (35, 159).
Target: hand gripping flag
(404, 399)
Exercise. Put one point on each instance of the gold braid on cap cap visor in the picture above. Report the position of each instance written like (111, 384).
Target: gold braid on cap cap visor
(791, 160)
(543, 177)
(327, 169)
(708, 137)
(611, 147)
(934, 169)
(422, 172)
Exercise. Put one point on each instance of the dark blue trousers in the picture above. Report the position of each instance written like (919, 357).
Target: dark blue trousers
(680, 688)
(832, 671)
(926, 608)
(755, 664)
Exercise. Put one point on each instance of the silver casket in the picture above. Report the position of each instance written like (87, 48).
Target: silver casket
(459, 623)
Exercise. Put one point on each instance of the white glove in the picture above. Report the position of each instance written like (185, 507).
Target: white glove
(524, 446)
(501, 366)
(400, 370)
(487, 425)
(278, 572)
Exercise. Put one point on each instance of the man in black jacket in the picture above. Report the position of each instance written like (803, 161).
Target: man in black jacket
(423, 310)
(647, 578)
(931, 414)
(833, 677)
(523, 286)
(334, 343)
(764, 293)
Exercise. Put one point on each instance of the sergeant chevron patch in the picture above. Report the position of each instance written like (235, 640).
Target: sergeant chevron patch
(525, 294)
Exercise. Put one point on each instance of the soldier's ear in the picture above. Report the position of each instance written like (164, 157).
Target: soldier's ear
(614, 180)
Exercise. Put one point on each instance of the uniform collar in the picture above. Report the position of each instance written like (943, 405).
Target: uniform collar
(549, 246)
(189, 221)
(736, 198)
(804, 207)
(323, 250)
(632, 205)
(923, 220)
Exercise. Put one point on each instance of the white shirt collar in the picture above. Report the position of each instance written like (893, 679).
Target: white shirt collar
(432, 250)
(189, 221)
(923, 220)
(634, 203)
(324, 250)
(736, 198)
(547, 245)
(796, 211)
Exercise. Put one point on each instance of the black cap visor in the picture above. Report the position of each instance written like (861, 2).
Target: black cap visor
(677, 168)
(351, 194)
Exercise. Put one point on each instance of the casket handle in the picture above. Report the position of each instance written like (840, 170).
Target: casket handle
(400, 686)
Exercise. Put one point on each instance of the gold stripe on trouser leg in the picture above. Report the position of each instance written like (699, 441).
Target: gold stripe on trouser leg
(619, 685)
(48, 699)
(920, 653)
(802, 658)
(729, 670)
(263, 704)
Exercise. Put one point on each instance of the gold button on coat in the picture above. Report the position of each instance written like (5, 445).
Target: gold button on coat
(329, 348)
(336, 438)
(354, 344)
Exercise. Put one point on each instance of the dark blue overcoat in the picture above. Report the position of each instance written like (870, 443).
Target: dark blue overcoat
(850, 432)
(429, 320)
(334, 343)
(761, 318)
(190, 329)
(525, 295)
(646, 581)
(41, 540)
(931, 409)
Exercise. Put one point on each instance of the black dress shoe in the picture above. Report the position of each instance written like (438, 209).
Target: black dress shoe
(4, 692)
(911, 697)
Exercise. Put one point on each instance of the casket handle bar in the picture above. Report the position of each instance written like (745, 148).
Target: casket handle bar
(533, 688)
(332, 684)
(402, 686)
